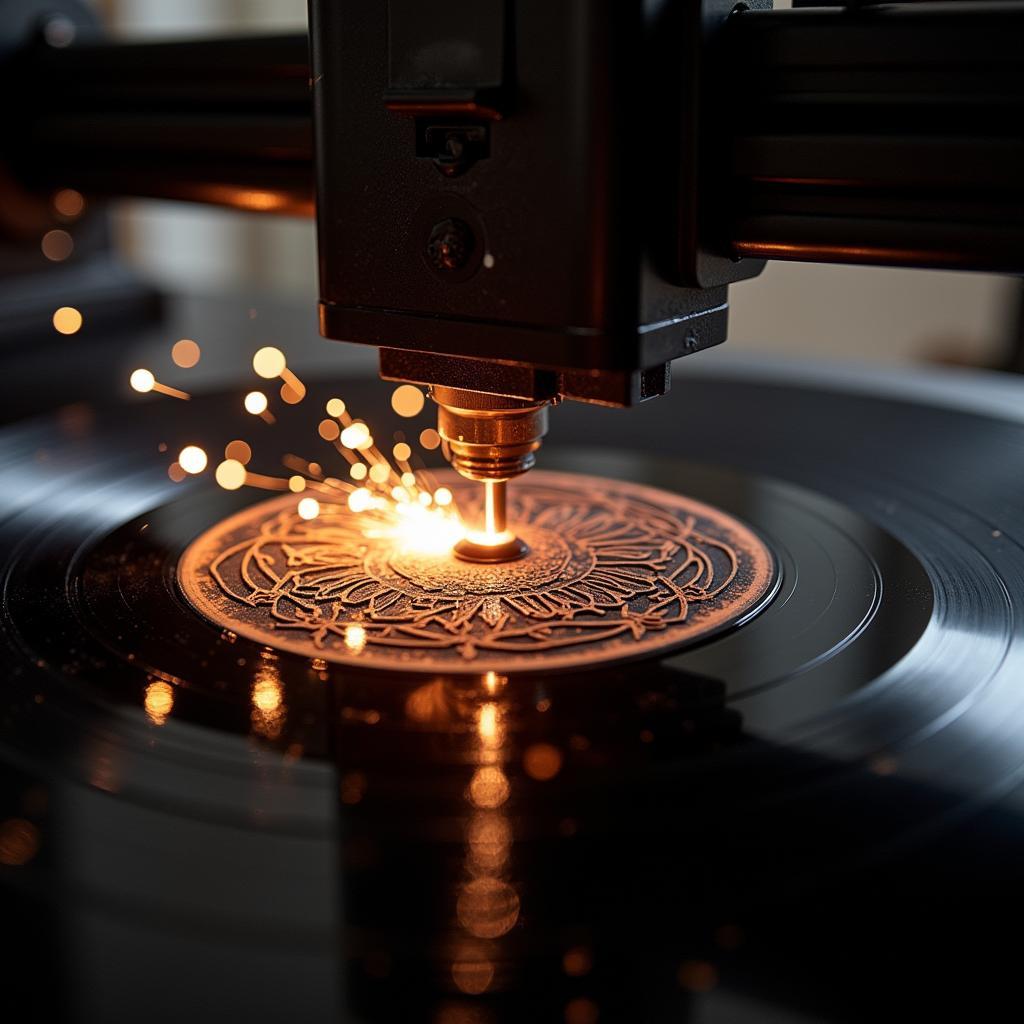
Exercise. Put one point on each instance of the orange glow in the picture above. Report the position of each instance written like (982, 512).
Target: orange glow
(488, 788)
(67, 320)
(268, 707)
(358, 471)
(355, 638)
(472, 975)
(19, 842)
(329, 430)
(442, 496)
(360, 500)
(380, 472)
(487, 908)
(239, 451)
(185, 353)
(352, 787)
(402, 452)
(407, 400)
(581, 1011)
(430, 439)
(489, 726)
(542, 761)
(335, 407)
(577, 962)
(192, 459)
(291, 395)
(57, 245)
(231, 474)
(296, 484)
(489, 837)
(69, 203)
(159, 701)
(355, 435)
(176, 473)
(309, 508)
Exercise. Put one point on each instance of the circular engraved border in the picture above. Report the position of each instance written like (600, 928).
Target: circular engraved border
(646, 572)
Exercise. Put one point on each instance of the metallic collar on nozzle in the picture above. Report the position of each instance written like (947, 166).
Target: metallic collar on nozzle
(489, 437)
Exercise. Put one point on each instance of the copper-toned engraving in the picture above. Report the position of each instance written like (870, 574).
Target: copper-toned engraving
(614, 570)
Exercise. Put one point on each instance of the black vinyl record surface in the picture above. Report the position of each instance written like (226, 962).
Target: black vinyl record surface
(815, 816)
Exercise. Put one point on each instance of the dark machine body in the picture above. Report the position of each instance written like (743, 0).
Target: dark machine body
(538, 200)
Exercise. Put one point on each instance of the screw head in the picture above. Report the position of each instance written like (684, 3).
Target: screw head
(449, 245)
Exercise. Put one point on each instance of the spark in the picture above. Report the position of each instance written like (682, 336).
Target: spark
(239, 451)
(407, 400)
(309, 508)
(158, 701)
(430, 439)
(355, 435)
(402, 452)
(296, 484)
(185, 353)
(442, 496)
(67, 320)
(192, 459)
(231, 475)
(379, 472)
(270, 362)
(143, 381)
(335, 407)
(358, 471)
(256, 403)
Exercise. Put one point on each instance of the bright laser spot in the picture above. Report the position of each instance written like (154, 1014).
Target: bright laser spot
(256, 402)
(309, 508)
(192, 459)
(443, 496)
(269, 362)
(230, 474)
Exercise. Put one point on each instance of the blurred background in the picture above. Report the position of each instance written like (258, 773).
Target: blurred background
(881, 315)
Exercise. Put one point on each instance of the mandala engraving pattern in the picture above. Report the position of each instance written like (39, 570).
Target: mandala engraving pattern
(614, 570)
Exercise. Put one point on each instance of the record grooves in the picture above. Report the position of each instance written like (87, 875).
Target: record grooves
(423, 847)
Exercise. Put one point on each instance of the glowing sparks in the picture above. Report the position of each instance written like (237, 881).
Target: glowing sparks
(296, 484)
(143, 381)
(308, 508)
(355, 436)
(442, 496)
(269, 362)
(329, 430)
(430, 439)
(239, 451)
(360, 500)
(402, 452)
(192, 459)
(256, 403)
(335, 407)
(379, 472)
(407, 400)
(358, 471)
(231, 474)
(176, 473)
(67, 320)
(158, 701)
(185, 353)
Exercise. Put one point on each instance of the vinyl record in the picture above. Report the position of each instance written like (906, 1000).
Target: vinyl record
(802, 815)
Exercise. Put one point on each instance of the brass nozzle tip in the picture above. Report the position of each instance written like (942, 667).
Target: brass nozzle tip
(489, 437)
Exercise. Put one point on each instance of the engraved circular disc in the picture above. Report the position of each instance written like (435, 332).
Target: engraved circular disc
(615, 570)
